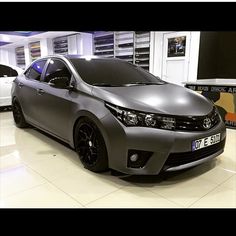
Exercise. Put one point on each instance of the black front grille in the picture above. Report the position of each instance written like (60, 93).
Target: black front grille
(192, 123)
(176, 159)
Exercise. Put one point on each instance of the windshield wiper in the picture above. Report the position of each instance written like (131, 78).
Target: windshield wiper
(128, 84)
(144, 83)
(105, 85)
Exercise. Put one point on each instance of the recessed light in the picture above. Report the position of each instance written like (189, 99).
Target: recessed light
(5, 38)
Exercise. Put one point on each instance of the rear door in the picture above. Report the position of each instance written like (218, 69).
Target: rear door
(28, 91)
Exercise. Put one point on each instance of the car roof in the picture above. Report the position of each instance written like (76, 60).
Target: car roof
(70, 56)
(77, 56)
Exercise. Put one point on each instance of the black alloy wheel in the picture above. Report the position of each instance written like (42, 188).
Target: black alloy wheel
(90, 146)
(18, 115)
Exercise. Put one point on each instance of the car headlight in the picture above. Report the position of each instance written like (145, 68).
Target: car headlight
(137, 118)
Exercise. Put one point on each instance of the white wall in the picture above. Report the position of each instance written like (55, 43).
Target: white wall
(27, 55)
(4, 56)
(72, 44)
(156, 54)
(193, 57)
(46, 47)
(84, 44)
(87, 44)
(12, 57)
(81, 43)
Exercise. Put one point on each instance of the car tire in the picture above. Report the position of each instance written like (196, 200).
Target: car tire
(90, 146)
(18, 114)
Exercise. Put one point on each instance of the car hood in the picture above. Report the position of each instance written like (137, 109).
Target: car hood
(166, 98)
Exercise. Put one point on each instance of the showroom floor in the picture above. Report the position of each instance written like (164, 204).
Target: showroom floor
(38, 171)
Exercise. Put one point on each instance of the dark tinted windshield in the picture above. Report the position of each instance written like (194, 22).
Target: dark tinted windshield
(110, 72)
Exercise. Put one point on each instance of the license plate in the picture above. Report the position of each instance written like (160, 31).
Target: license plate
(205, 142)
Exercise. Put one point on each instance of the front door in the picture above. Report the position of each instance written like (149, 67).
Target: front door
(55, 103)
(176, 57)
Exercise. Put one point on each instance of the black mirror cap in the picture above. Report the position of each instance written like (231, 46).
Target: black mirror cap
(59, 82)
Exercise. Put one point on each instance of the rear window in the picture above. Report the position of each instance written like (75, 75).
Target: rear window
(6, 71)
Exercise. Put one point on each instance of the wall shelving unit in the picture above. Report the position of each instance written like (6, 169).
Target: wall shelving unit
(124, 45)
(60, 45)
(132, 46)
(20, 57)
(104, 44)
(35, 51)
(142, 49)
(23, 53)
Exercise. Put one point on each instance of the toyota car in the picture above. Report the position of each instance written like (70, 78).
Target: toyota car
(117, 115)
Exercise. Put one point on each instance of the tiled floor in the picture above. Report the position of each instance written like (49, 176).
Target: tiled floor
(37, 171)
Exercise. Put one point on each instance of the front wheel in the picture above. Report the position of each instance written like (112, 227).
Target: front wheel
(18, 114)
(90, 146)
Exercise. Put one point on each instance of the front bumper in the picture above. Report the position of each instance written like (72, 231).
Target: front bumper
(162, 143)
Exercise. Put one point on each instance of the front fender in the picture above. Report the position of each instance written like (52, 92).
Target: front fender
(94, 110)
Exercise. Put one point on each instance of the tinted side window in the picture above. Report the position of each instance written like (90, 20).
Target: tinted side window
(56, 68)
(36, 70)
(5, 71)
(13, 72)
(27, 72)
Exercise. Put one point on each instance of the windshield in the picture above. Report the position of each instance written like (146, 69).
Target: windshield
(112, 72)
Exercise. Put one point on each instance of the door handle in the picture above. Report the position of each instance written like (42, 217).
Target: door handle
(20, 85)
(40, 91)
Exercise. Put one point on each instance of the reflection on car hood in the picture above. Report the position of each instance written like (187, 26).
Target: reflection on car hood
(167, 98)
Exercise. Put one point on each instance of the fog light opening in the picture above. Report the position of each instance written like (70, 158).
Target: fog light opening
(137, 158)
(134, 157)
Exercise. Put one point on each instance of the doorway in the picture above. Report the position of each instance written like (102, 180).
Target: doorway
(176, 50)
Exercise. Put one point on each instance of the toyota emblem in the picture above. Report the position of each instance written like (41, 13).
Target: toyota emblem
(207, 123)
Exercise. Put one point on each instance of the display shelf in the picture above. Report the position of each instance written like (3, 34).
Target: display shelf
(20, 57)
(132, 46)
(140, 33)
(104, 44)
(35, 51)
(60, 45)
(124, 45)
(142, 49)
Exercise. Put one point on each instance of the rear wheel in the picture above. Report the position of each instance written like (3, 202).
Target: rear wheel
(18, 114)
(90, 146)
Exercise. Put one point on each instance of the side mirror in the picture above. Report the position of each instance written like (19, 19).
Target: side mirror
(59, 82)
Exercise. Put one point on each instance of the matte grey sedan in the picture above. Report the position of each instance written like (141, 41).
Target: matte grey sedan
(117, 115)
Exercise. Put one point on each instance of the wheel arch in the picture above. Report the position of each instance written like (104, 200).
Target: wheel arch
(13, 98)
(95, 119)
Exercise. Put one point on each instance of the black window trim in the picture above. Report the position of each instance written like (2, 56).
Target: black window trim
(47, 65)
(30, 67)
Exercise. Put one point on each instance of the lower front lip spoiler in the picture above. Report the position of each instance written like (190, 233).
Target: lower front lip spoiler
(194, 163)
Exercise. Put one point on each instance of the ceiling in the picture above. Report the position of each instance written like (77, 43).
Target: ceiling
(18, 38)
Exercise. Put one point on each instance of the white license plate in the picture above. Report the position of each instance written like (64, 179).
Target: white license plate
(205, 142)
